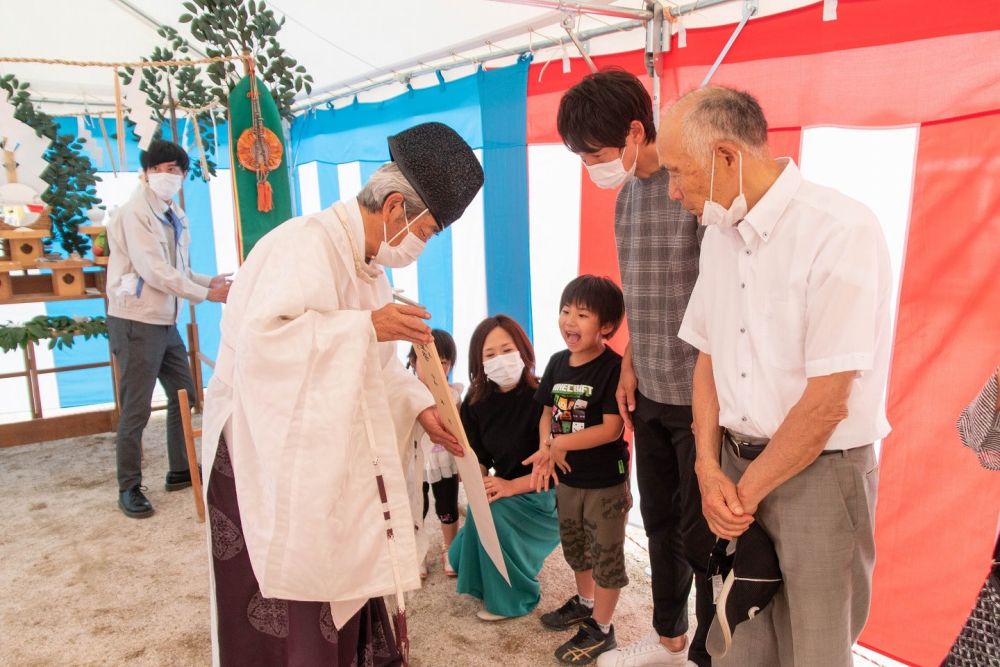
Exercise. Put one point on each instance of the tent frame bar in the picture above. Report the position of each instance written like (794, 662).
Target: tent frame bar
(403, 72)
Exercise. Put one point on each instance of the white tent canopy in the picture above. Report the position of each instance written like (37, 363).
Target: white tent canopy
(336, 41)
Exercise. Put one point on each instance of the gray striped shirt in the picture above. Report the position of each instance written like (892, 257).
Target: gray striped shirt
(658, 247)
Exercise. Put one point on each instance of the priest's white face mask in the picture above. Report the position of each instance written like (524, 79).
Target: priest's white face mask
(408, 250)
(714, 214)
(505, 369)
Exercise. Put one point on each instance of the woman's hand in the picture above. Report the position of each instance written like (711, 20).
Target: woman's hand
(497, 488)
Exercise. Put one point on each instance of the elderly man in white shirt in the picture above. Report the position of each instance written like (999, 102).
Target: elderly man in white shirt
(790, 314)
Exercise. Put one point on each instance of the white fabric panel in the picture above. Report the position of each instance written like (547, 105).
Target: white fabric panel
(875, 167)
(14, 405)
(554, 214)
(223, 222)
(349, 179)
(468, 261)
(309, 188)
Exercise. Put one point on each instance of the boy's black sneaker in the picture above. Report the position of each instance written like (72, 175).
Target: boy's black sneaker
(568, 615)
(588, 643)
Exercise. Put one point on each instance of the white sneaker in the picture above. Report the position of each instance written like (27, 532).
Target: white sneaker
(646, 652)
(489, 616)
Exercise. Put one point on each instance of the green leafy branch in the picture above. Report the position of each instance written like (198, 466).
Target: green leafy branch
(235, 27)
(186, 87)
(59, 330)
(71, 175)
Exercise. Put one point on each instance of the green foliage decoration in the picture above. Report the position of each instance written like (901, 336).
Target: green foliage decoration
(235, 27)
(187, 87)
(60, 331)
(71, 175)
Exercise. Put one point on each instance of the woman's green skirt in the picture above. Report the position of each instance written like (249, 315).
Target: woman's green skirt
(528, 529)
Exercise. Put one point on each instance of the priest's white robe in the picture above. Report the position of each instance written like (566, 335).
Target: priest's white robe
(299, 385)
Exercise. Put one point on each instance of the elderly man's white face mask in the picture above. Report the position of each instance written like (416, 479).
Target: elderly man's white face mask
(404, 254)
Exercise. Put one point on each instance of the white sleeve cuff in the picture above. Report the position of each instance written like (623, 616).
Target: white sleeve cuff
(688, 335)
(839, 364)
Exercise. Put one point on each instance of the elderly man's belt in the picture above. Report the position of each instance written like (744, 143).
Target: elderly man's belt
(744, 447)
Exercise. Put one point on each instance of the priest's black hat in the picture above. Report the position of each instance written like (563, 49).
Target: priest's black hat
(440, 166)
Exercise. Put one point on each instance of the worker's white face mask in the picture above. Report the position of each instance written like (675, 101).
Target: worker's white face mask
(609, 175)
(408, 250)
(714, 214)
(505, 369)
(166, 186)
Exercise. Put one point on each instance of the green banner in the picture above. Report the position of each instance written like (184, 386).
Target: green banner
(251, 222)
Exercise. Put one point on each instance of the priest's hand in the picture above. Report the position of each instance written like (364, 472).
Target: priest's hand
(430, 419)
(395, 321)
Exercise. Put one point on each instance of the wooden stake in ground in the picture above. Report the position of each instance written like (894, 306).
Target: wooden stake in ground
(431, 372)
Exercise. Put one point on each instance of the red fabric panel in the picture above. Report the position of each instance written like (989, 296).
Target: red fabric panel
(937, 511)
(860, 23)
(544, 94)
(785, 142)
(895, 84)
(598, 252)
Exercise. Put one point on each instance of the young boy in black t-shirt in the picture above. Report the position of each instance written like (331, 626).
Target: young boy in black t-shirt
(582, 445)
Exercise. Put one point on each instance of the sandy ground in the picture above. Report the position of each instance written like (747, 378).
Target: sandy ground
(81, 584)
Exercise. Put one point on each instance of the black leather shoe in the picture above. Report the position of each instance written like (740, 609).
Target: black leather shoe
(134, 504)
(178, 480)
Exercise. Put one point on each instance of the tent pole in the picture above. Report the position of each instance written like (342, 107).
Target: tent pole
(749, 9)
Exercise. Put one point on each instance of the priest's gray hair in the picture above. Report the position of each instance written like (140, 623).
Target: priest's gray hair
(386, 180)
(714, 114)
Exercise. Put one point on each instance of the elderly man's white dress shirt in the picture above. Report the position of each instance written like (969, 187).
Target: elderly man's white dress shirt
(800, 288)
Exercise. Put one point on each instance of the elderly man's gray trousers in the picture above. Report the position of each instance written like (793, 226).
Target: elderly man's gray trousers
(147, 353)
(822, 524)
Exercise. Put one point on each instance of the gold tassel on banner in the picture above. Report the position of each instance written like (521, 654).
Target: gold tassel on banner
(265, 196)
(119, 119)
(258, 148)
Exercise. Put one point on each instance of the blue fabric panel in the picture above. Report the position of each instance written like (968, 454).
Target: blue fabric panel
(198, 206)
(89, 386)
(68, 125)
(329, 184)
(434, 281)
(358, 131)
(505, 193)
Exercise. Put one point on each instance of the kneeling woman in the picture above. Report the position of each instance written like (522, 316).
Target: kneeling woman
(500, 417)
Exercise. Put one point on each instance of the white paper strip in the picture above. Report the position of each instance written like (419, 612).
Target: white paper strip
(432, 374)
(139, 112)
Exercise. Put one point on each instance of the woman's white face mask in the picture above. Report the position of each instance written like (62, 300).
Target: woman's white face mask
(504, 370)
(609, 175)
(408, 250)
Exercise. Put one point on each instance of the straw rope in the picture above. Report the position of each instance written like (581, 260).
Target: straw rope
(118, 65)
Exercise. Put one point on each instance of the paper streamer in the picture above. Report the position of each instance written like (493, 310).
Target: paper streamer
(90, 142)
(119, 119)
(140, 113)
(29, 149)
